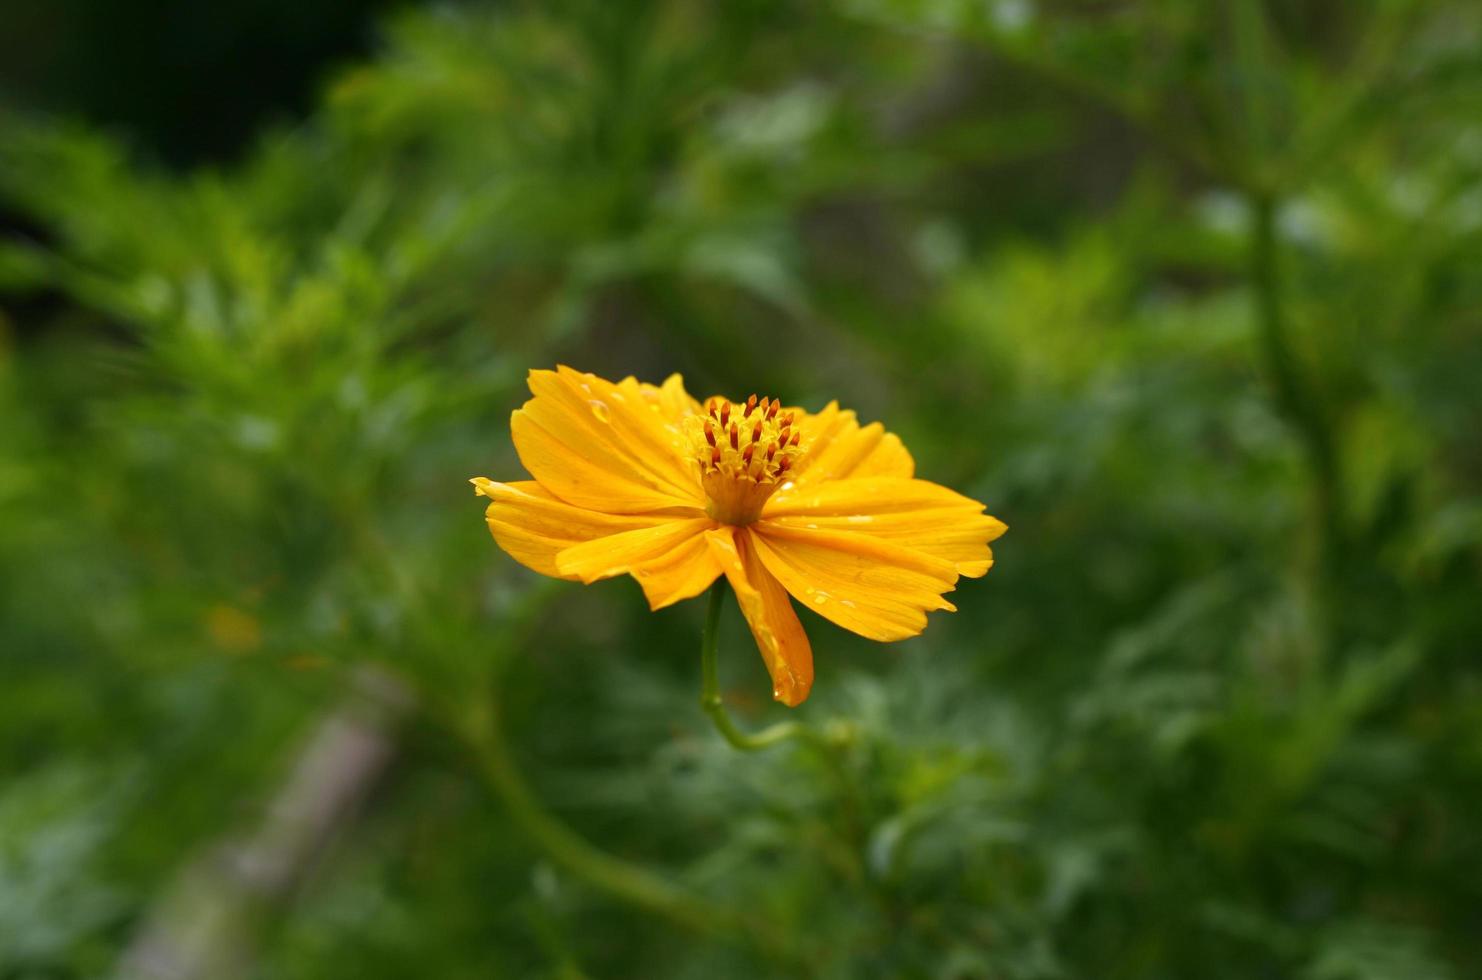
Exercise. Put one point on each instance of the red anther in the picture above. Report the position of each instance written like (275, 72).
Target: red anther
(797, 437)
(756, 431)
(746, 456)
(787, 419)
(783, 464)
(771, 451)
(735, 438)
(725, 414)
(772, 410)
(750, 406)
(714, 455)
(709, 433)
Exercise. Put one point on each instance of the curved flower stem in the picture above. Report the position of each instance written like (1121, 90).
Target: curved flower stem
(710, 689)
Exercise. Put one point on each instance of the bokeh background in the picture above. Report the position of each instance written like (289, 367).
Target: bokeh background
(1189, 293)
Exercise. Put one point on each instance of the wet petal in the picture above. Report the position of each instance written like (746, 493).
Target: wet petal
(837, 447)
(916, 514)
(868, 585)
(768, 611)
(533, 525)
(593, 445)
(670, 399)
(619, 554)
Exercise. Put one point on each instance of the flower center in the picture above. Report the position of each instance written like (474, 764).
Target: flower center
(744, 452)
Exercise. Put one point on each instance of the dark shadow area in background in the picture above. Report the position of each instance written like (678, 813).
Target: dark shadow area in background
(184, 83)
(189, 82)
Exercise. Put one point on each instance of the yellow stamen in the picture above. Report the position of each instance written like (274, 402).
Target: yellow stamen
(739, 472)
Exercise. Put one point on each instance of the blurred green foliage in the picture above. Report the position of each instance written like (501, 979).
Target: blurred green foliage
(1186, 292)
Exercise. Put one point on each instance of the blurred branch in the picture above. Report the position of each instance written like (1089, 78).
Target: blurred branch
(621, 879)
(629, 882)
(1146, 119)
(1294, 395)
(202, 927)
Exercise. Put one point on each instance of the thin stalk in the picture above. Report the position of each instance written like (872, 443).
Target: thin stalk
(1294, 397)
(710, 689)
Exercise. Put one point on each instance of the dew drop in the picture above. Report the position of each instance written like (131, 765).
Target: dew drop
(600, 409)
(860, 518)
(812, 527)
(820, 597)
(586, 387)
(847, 602)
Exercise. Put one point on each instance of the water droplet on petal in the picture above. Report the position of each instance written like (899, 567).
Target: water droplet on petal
(812, 527)
(847, 602)
(600, 409)
(860, 518)
(820, 597)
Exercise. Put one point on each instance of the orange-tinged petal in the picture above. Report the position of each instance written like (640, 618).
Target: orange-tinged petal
(768, 611)
(534, 526)
(869, 585)
(591, 445)
(837, 447)
(619, 554)
(916, 514)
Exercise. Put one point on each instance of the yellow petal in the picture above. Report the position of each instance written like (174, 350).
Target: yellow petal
(654, 432)
(595, 446)
(779, 636)
(670, 398)
(619, 554)
(916, 514)
(836, 447)
(684, 572)
(534, 526)
(869, 585)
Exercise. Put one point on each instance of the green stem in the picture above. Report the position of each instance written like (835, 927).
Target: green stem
(710, 689)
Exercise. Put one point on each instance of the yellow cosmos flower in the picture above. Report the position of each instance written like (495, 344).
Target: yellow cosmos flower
(634, 479)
